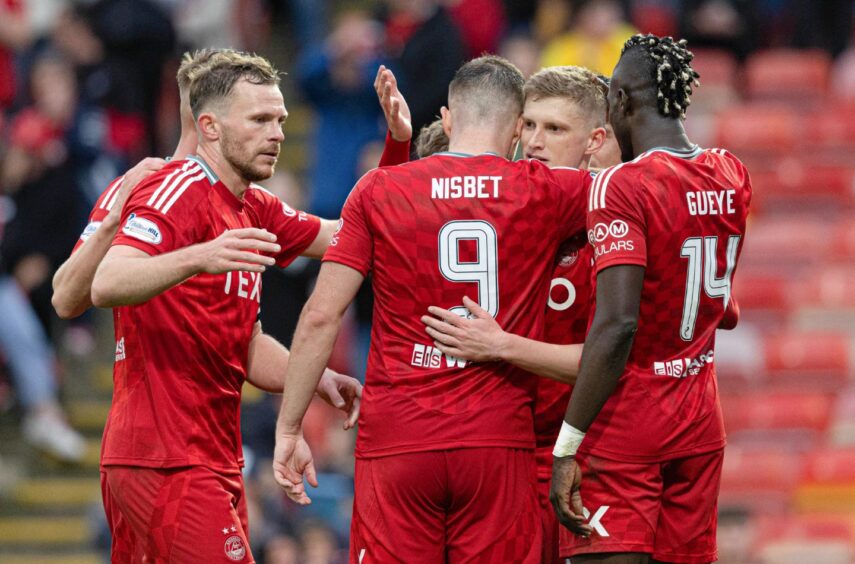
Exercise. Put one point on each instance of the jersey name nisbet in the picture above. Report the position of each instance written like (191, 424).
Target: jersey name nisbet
(465, 187)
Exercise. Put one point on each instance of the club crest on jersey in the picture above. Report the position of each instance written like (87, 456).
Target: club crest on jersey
(234, 548)
(143, 229)
(568, 258)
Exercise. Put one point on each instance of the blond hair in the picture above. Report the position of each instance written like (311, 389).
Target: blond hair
(432, 139)
(191, 65)
(214, 81)
(576, 84)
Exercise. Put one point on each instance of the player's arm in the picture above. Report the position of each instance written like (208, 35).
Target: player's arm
(395, 108)
(72, 283)
(318, 246)
(128, 276)
(607, 349)
(268, 360)
(481, 339)
(313, 342)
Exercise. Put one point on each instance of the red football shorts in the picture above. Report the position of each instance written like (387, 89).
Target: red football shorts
(455, 506)
(175, 515)
(549, 524)
(667, 509)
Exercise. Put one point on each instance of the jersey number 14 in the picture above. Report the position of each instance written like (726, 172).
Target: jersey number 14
(703, 266)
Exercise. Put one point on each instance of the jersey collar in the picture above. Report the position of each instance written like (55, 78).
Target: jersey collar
(209, 172)
(465, 155)
(690, 153)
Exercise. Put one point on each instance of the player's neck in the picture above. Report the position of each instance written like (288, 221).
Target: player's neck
(660, 132)
(224, 171)
(186, 146)
(476, 143)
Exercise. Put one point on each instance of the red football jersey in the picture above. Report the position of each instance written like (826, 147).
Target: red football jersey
(681, 215)
(181, 356)
(567, 313)
(100, 210)
(433, 231)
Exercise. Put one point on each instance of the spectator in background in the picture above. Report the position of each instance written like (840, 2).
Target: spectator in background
(523, 51)
(337, 79)
(596, 36)
(427, 49)
(482, 24)
(14, 36)
(730, 25)
(824, 25)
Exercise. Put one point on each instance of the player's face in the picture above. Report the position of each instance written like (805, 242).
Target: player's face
(609, 153)
(554, 131)
(252, 130)
(617, 118)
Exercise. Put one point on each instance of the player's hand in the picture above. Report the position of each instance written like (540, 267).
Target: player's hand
(342, 392)
(394, 105)
(477, 338)
(133, 177)
(566, 497)
(292, 458)
(235, 250)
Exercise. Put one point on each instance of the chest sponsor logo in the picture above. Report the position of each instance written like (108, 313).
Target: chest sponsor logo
(245, 285)
(568, 301)
(90, 230)
(426, 356)
(120, 349)
(143, 229)
(683, 367)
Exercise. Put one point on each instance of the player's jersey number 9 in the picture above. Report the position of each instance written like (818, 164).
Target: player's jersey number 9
(484, 270)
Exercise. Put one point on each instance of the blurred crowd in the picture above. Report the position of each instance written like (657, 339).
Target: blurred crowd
(87, 89)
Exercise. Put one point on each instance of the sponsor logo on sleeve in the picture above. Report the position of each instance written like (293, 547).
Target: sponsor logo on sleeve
(90, 230)
(288, 210)
(618, 229)
(143, 229)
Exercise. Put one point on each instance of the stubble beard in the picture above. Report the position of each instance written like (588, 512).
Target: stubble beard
(232, 152)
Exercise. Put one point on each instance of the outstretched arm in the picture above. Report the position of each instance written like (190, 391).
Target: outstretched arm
(268, 361)
(313, 342)
(481, 339)
(128, 276)
(72, 283)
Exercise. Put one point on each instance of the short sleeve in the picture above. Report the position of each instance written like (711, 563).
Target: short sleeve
(157, 225)
(352, 244)
(99, 212)
(295, 230)
(616, 225)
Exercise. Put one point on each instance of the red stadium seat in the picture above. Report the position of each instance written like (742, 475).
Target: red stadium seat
(759, 480)
(831, 287)
(808, 354)
(716, 67)
(757, 129)
(843, 240)
(831, 466)
(770, 411)
(763, 291)
(788, 74)
(804, 181)
(791, 240)
(802, 538)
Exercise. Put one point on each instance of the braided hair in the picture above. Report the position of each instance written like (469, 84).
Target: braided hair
(673, 72)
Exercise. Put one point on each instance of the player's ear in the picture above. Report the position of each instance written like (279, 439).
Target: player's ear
(445, 116)
(207, 127)
(596, 140)
(624, 104)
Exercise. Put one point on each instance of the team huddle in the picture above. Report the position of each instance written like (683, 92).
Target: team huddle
(540, 382)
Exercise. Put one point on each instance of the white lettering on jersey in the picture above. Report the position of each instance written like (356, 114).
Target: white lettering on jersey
(361, 555)
(143, 229)
(465, 187)
(242, 285)
(711, 203)
(602, 250)
(120, 349)
(426, 356)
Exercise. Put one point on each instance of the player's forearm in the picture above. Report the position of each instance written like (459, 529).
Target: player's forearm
(123, 281)
(72, 283)
(603, 361)
(310, 351)
(268, 361)
(319, 246)
(557, 362)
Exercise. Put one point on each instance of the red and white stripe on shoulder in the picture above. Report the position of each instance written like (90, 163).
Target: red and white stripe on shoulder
(174, 185)
(111, 193)
(597, 193)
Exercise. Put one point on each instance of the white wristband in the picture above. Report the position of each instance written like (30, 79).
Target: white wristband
(568, 441)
